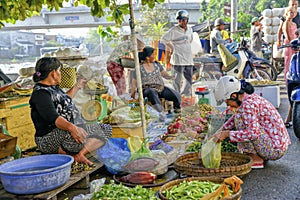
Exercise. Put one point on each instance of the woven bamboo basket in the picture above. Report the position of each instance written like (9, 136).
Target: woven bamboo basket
(170, 184)
(231, 164)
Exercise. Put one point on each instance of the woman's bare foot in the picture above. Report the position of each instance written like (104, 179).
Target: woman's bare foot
(82, 159)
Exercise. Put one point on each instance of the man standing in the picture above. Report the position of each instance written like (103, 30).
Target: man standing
(216, 37)
(179, 39)
(256, 36)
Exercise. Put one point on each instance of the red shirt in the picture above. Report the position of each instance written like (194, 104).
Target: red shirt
(255, 116)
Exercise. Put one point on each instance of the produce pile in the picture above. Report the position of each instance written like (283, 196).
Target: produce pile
(119, 191)
(206, 189)
(194, 122)
(193, 190)
(226, 146)
(264, 82)
(125, 114)
(192, 125)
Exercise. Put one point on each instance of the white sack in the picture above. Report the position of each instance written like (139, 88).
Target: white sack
(267, 13)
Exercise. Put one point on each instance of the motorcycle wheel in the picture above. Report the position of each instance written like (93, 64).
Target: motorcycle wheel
(279, 66)
(263, 74)
(270, 69)
(296, 118)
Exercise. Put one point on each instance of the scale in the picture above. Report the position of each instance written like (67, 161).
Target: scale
(96, 108)
(201, 92)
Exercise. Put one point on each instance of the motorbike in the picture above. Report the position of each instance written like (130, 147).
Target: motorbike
(269, 53)
(293, 76)
(249, 65)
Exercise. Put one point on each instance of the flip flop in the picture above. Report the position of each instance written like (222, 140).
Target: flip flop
(288, 124)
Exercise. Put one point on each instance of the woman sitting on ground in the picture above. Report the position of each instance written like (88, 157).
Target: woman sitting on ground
(256, 125)
(58, 123)
(152, 82)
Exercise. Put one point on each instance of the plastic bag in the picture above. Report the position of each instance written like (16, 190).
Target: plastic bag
(144, 151)
(114, 154)
(229, 60)
(160, 145)
(211, 154)
(134, 143)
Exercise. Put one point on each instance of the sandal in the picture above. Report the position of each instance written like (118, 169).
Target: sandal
(288, 124)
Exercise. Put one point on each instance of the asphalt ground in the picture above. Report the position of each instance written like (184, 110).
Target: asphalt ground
(279, 179)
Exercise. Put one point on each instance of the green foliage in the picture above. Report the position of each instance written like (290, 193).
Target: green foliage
(108, 33)
(11, 11)
(154, 22)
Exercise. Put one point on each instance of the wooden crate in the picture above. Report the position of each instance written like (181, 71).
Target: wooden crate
(7, 145)
(19, 117)
(25, 136)
(127, 130)
(9, 103)
(15, 114)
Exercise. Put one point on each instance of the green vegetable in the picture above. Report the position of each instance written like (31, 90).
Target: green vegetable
(191, 190)
(121, 192)
(226, 146)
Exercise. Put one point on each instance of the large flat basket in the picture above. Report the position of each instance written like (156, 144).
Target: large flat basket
(231, 164)
(169, 185)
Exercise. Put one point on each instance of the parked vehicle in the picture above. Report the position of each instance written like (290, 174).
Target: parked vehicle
(294, 77)
(249, 65)
(268, 53)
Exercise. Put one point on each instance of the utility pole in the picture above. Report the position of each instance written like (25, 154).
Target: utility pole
(234, 16)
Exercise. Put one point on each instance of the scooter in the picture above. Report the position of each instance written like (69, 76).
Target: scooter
(293, 76)
(249, 65)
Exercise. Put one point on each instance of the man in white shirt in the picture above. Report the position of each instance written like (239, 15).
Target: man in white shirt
(179, 39)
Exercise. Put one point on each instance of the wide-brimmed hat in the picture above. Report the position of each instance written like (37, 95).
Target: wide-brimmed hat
(254, 19)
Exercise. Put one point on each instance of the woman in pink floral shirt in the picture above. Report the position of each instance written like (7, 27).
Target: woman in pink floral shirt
(256, 125)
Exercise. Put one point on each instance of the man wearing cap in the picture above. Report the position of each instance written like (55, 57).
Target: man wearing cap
(256, 35)
(179, 39)
(216, 37)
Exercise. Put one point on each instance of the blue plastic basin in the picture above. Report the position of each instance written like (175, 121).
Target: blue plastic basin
(36, 174)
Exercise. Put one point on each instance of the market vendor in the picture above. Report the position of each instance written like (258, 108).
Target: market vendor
(256, 125)
(58, 123)
(153, 86)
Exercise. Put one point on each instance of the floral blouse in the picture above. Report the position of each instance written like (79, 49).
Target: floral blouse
(256, 116)
(152, 79)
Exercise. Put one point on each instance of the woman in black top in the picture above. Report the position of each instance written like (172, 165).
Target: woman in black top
(152, 83)
(58, 123)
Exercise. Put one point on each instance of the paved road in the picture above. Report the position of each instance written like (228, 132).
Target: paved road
(279, 179)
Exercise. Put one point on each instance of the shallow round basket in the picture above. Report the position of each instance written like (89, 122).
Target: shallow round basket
(104, 90)
(127, 62)
(170, 184)
(36, 174)
(231, 164)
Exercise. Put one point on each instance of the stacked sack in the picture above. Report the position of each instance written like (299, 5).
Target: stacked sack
(271, 22)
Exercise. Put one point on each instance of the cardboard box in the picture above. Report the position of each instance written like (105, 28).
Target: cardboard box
(7, 145)
(127, 130)
(210, 85)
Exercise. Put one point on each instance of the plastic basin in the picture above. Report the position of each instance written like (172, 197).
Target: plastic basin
(36, 174)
